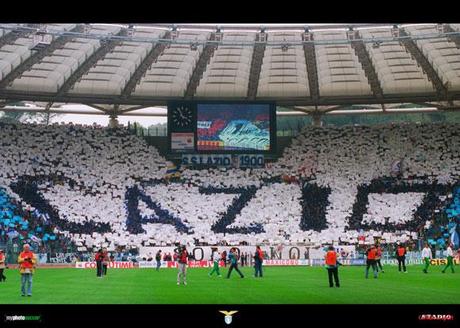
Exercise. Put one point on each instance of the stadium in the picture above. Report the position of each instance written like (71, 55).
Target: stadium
(302, 139)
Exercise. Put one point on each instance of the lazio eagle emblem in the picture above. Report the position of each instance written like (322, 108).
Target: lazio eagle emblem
(228, 316)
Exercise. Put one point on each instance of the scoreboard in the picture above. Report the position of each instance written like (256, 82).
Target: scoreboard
(240, 130)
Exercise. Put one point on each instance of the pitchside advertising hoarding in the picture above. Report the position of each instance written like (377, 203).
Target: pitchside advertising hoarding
(317, 261)
(174, 264)
(280, 255)
(443, 261)
(111, 265)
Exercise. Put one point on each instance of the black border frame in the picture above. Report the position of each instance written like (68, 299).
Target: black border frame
(208, 315)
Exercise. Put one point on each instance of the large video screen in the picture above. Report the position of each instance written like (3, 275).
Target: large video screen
(233, 127)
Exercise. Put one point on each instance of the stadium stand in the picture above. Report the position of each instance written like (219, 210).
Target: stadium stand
(27, 225)
(100, 186)
(105, 187)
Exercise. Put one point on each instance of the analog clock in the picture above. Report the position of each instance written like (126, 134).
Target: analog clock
(182, 117)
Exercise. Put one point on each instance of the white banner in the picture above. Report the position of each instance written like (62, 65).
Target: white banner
(212, 160)
(275, 252)
(345, 252)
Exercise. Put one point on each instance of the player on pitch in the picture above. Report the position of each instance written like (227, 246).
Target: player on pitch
(216, 258)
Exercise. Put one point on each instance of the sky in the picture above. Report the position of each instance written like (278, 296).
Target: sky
(104, 119)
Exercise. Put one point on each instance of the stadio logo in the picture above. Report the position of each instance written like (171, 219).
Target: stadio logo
(437, 317)
(228, 316)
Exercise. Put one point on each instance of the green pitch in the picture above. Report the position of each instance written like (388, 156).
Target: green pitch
(280, 285)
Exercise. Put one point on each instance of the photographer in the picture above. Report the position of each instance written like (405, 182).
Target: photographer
(27, 261)
(182, 256)
(2, 266)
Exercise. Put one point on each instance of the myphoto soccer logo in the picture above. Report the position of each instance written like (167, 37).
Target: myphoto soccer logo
(228, 316)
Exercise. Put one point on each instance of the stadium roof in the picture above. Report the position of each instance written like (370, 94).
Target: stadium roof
(118, 68)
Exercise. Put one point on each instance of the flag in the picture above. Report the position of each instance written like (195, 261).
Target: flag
(172, 170)
(12, 234)
(455, 239)
(35, 239)
(396, 167)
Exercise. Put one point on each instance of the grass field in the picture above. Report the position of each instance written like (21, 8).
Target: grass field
(280, 285)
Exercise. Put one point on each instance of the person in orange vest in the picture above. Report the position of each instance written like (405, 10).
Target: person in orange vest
(332, 266)
(2, 266)
(378, 257)
(401, 257)
(371, 255)
(27, 260)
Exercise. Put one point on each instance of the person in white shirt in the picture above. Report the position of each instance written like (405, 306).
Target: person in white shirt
(427, 255)
(450, 261)
(215, 258)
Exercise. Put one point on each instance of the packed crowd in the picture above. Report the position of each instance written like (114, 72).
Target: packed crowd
(104, 187)
(22, 224)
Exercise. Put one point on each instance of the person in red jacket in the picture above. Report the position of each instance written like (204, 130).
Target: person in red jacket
(401, 257)
(182, 256)
(224, 258)
(332, 266)
(99, 258)
(371, 255)
(27, 260)
(258, 260)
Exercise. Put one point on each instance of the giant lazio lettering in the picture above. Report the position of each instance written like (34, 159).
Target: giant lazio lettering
(313, 201)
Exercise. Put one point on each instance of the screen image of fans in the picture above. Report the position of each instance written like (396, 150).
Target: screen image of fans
(234, 127)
